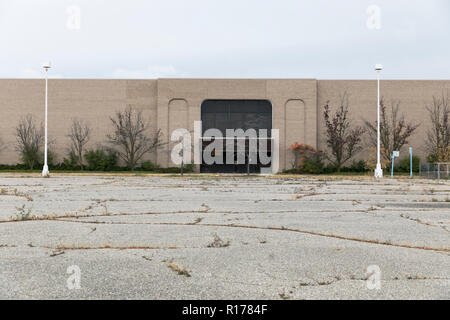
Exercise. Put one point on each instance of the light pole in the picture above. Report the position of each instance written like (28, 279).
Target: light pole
(378, 169)
(45, 172)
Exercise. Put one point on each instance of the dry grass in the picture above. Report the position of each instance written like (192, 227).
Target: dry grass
(180, 270)
(16, 193)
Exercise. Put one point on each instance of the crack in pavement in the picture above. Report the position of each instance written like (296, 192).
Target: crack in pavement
(315, 282)
(70, 215)
(423, 222)
(315, 233)
(62, 248)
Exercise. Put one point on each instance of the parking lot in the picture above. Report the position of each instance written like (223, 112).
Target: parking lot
(223, 237)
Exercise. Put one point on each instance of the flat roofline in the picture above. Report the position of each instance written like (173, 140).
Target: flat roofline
(213, 79)
(385, 79)
(155, 79)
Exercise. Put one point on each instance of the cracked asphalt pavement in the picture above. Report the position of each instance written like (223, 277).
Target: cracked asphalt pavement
(223, 237)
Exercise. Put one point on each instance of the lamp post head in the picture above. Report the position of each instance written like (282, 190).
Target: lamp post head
(46, 65)
(378, 67)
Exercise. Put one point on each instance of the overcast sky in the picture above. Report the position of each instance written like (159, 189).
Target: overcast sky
(225, 38)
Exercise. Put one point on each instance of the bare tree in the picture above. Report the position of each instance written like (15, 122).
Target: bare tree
(438, 137)
(29, 141)
(131, 137)
(394, 130)
(343, 140)
(79, 135)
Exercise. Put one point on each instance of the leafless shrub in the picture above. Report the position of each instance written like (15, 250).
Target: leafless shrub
(438, 137)
(130, 135)
(343, 140)
(29, 141)
(79, 135)
(394, 130)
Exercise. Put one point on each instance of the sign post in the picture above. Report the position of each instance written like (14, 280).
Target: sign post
(395, 154)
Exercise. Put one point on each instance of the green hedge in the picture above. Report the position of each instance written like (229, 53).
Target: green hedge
(317, 167)
(403, 165)
(67, 167)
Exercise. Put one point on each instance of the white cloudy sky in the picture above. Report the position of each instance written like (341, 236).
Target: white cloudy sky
(225, 38)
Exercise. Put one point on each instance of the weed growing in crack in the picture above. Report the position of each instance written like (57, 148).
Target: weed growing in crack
(284, 296)
(218, 242)
(198, 220)
(23, 213)
(105, 211)
(207, 208)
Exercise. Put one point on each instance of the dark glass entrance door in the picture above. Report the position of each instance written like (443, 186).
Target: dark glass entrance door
(235, 114)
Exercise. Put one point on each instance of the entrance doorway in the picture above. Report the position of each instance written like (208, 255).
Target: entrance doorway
(236, 114)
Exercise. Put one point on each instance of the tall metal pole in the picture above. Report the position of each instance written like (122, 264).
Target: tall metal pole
(45, 172)
(393, 164)
(182, 159)
(378, 169)
(378, 118)
(410, 162)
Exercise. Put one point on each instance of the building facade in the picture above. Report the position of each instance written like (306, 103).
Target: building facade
(168, 104)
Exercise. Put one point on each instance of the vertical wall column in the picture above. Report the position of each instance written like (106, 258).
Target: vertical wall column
(278, 122)
(295, 127)
(163, 125)
(178, 119)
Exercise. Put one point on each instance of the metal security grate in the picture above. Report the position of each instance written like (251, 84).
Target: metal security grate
(438, 170)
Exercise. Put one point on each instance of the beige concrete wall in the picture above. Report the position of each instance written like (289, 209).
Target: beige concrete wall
(172, 103)
(298, 99)
(413, 95)
(281, 93)
(92, 100)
